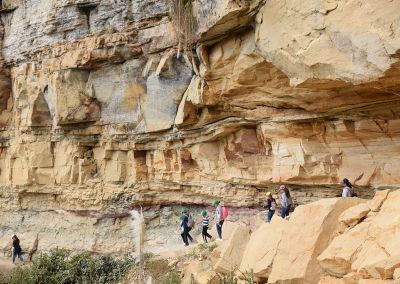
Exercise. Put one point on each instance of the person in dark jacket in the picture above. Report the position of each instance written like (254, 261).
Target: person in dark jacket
(17, 251)
(270, 205)
(184, 229)
(189, 217)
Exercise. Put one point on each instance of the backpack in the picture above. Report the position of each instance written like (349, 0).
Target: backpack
(190, 221)
(224, 212)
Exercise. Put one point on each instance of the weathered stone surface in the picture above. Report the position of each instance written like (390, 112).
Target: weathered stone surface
(165, 88)
(217, 19)
(320, 41)
(380, 197)
(382, 269)
(232, 250)
(353, 215)
(121, 91)
(396, 274)
(369, 248)
(61, 227)
(98, 113)
(262, 248)
(313, 236)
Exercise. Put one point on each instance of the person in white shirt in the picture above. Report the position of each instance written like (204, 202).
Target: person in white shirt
(219, 220)
(286, 201)
(348, 189)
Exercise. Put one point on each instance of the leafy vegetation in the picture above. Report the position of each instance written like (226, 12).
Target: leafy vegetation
(248, 278)
(228, 279)
(59, 266)
(171, 277)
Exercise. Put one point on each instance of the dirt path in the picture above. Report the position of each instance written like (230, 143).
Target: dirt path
(6, 266)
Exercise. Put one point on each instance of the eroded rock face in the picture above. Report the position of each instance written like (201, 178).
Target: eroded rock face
(309, 247)
(302, 241)
(319, 40)
(370, 248)
(262, 248)
(98, 109)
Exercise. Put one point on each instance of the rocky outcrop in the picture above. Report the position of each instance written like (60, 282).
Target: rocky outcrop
(232, 250)
(310, 247)
(370, 248)
(100, 111)
(302, 241)
(262, 248)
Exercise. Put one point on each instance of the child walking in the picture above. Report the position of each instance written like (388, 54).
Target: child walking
(206, 222)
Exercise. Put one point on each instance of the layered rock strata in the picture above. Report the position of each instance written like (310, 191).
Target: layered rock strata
(98, 112)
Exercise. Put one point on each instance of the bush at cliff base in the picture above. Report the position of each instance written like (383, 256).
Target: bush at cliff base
(61, 267)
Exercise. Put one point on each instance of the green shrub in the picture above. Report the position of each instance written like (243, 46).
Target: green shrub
(228, 279)
(172, 277)
(60, 267)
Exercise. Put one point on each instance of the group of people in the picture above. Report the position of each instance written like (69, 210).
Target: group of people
(187, 223)
(220, 214)
(286, 202)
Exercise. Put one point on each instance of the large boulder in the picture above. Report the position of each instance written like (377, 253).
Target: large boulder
(310, 229)
(353, 215)
(232, 250)
(376, 203)
(369, 248)
(261, 249)
(383, 269)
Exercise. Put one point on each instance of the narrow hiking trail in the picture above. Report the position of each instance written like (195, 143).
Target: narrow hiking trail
(6, 265)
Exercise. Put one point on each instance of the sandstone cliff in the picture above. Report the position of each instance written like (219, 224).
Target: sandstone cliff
(99, 114)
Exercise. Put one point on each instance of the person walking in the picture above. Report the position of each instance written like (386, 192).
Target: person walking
(348, 188)
(270, 205)
(206, 222)
(16, 251)
(190, 223)
(184, 229)
(286, 200)
(218, 218)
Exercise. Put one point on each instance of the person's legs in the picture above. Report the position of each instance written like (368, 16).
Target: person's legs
(204, 234)
(283, 212)
(184, 238)
(288, 210)
(207, 234)
(270, 214)
(219, 232)
(14, 255)
(219, 228)
(188, 235)
(21, 259)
